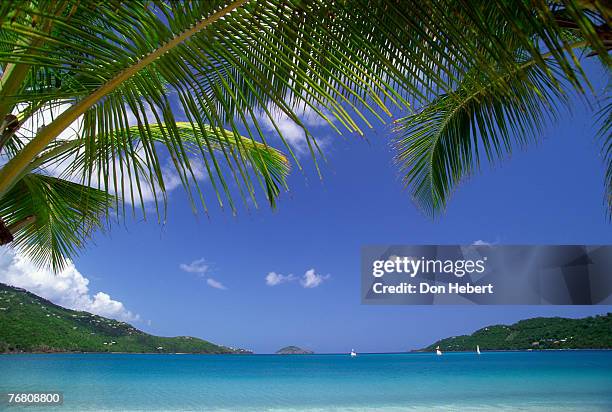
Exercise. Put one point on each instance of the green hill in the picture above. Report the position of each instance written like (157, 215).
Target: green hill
(538, 333)
(29, 323)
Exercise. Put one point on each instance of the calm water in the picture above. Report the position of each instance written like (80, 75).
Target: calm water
(531, 381)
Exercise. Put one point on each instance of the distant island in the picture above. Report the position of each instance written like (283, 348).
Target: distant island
(293, 350)
(594, 332)
(29, 323)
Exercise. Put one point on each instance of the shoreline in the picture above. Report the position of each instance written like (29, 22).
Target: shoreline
(414, 352)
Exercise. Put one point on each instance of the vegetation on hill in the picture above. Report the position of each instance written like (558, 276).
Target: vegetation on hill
(293, 350)
(29, 323)
(594, 332)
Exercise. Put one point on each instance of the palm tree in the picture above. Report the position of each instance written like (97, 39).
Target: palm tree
(232, 65)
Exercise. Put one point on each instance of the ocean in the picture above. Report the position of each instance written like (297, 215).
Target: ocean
(517, 381)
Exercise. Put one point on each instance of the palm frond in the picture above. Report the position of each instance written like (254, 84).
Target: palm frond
(443, 143)
(105, 159)
(60, 216)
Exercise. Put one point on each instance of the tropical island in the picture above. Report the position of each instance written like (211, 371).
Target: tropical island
(592, 332)
(293, 350)
(29, 323)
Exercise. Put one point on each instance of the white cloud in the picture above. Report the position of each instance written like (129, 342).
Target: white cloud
(311, 279)
(291, 131)
(215, 284)
(481, 243)
(198, 266)
(68, 288)
(202, 269)
(273, 278)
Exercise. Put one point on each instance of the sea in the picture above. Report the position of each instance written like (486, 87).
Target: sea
(492, 381)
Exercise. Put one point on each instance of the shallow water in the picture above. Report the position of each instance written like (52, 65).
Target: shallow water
(528, 381)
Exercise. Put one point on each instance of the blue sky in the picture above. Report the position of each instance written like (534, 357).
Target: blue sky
(551, 193)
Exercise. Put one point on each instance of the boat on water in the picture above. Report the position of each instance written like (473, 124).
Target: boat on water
(478, 349)
(353, 353)
(438, 351)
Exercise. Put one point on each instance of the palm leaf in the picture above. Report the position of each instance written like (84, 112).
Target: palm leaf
(102, 159)
(61, 216)
(443, 143)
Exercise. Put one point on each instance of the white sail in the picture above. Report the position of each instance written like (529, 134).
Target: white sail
(478, 349)
(438, 351)
(353, 353)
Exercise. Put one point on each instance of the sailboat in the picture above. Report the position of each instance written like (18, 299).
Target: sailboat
(478, 349)
(353, 353)
(438, 351)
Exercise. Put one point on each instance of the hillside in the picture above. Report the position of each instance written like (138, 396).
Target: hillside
(29, 323)
(293, 350)
(537, 333)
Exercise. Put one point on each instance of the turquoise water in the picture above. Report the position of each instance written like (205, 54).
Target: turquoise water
(530, 381)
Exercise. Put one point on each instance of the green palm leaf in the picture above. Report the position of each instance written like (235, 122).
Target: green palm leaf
(53, 217)
(102, 159)
(443, 143)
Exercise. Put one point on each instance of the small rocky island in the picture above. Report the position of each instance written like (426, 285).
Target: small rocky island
(293, 350)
